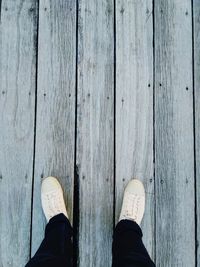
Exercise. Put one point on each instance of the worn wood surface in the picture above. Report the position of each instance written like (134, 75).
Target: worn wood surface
(59, 92)
(134, 105)
(17, 106)
(55, 124)
(174, 151)
(95, 131)
(196, 32)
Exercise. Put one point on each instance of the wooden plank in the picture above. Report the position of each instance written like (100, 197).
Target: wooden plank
(55, 104)
(196, 30)
(134, 105)
(18, 28)
(95, 131)
(174, 154)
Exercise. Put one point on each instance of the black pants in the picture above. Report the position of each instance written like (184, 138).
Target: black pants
(56, 248)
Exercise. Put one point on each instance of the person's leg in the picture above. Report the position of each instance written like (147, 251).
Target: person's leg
(56, 248)
(128, 248)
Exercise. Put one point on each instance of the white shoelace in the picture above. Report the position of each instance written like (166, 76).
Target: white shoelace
(55, 203)
(130, 206)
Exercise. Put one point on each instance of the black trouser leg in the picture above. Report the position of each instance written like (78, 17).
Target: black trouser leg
(56, 248)
(128, 248)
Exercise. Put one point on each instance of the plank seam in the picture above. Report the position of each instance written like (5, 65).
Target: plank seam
(0, 9)
(76, 168)
(154, 176)
(114, 126)
(194, 134)
(35, 119)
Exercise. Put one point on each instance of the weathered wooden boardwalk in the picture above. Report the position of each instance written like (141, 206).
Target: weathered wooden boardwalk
(95, 93)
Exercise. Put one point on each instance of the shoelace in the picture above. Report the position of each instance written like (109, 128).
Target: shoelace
(55, 202)
(131, 205)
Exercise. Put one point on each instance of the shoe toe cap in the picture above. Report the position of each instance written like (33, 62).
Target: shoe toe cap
(50, 183)
(135, 186)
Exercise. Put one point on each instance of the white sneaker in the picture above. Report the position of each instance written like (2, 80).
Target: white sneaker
(52, 198)
(133, 202)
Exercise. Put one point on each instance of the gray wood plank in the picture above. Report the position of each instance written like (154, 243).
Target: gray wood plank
(95, 131)
(196, 29)
(174, 154)
(55, 104)
(18, 28)
(134, 105)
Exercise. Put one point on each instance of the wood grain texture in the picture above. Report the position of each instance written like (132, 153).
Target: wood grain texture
(17, 105)
(55, 104)
(134, 105)
(174, 154)
(95, 131)
(196, 29)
